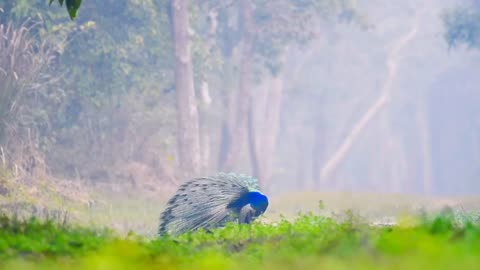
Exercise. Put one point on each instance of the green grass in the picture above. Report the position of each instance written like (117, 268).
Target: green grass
(439, 242)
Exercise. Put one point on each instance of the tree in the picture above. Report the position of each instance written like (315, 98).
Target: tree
(238, 129)
(263, 34)
(188, 142)
(114, 79)
(462, 25)
(71, 5)
(187, 115)
(27, 89)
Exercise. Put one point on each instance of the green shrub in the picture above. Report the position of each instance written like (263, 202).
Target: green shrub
(439, 242)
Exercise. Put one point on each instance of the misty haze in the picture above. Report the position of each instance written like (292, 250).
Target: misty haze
(108, 107)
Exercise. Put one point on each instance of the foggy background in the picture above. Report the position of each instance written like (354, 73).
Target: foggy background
(375, 101)
(422, 138)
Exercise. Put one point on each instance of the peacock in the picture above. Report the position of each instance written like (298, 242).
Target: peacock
(211, 202)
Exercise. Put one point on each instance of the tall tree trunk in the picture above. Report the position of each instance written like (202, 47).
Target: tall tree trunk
(392, 62)
(255, 128)
(253, 146)
(300, 162)
(269, 130)
(237, 133)
(424, 130)
(228, 100)
(205, 143)
(318, 151)
(188, 142)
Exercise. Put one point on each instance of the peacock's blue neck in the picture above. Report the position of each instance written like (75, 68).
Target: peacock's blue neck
(256, 199)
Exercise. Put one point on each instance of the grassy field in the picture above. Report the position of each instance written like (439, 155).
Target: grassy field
(299, 231)
(125, 213)
(443, 241)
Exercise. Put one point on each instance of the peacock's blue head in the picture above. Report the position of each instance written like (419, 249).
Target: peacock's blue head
(257, 200)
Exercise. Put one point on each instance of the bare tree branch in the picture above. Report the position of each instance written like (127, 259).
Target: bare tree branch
(392, 65)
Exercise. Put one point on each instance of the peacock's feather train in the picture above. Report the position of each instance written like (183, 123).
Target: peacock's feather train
(211, 202)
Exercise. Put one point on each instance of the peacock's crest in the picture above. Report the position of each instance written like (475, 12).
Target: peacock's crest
(210, 202)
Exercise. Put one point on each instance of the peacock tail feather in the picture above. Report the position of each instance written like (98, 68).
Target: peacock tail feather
(211, 202)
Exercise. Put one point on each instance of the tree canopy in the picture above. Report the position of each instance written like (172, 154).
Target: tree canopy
(109, 81)
(71, 5)
(462, 25)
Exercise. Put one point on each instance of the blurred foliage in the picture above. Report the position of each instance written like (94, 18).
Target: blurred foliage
(34, 237)
(278, 25)
(114, 50)
(71, 5)
(114, 65)
(28, 91)
(463, 26)
(434, 242)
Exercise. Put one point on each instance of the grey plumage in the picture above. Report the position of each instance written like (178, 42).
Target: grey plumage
(211, 202)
